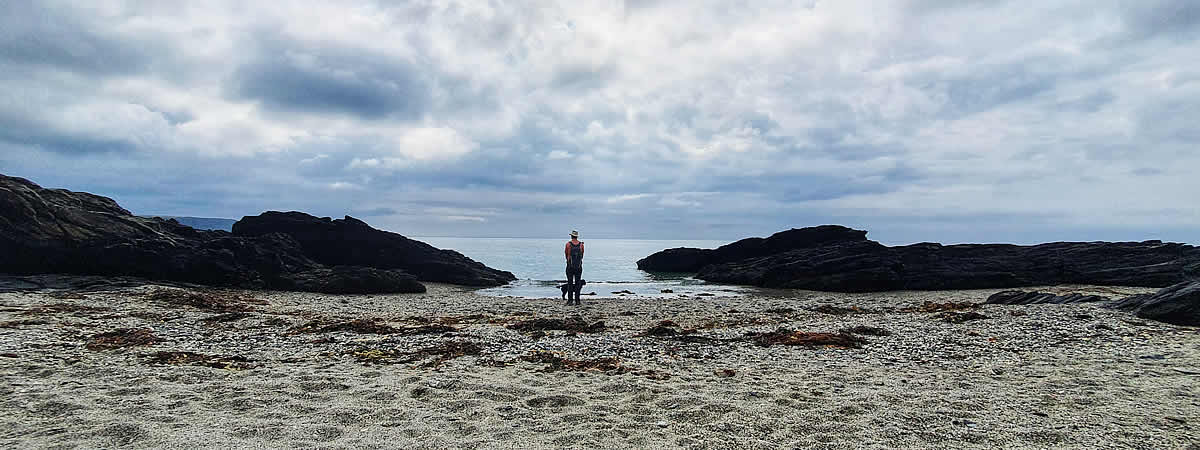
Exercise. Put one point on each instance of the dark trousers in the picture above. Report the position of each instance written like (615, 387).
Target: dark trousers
(573, 276)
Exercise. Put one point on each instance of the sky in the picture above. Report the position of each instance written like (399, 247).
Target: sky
(925, 120)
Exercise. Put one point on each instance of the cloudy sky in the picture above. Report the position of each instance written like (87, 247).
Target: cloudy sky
(929, 120)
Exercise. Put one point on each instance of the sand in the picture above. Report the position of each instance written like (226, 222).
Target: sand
(1062, 376)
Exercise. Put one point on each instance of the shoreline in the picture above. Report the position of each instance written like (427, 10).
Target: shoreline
(284, 369)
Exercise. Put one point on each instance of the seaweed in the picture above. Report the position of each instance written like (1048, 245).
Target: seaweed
(124, 337)
(572, 324)
(783, 336)
(866, 330)
(220, 301)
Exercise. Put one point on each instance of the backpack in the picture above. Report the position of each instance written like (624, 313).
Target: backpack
(576, 254)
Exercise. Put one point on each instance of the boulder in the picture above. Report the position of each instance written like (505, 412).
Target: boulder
(834, 258)
(352, 242)
(60, 231)
(1178, 304)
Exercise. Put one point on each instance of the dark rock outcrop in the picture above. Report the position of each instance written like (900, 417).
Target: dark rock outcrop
(60, 231)
(1178, 304)
(1036, 298)
(685, 259)
(350, 241)
(834, 258)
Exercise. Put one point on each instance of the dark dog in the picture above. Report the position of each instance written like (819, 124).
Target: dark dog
(563, 287)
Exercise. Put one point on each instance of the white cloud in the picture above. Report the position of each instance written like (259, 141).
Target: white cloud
(625, 198)
(783, 110)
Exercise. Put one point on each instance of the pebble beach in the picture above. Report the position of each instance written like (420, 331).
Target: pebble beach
(89, 362)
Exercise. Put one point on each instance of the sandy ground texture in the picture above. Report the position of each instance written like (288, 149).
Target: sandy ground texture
(96, 363)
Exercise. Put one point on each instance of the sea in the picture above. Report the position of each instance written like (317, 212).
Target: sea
(609, 266)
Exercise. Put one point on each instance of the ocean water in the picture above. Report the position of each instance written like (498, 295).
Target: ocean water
(609, 265)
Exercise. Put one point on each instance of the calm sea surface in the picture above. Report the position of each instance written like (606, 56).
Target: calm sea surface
(609, 265)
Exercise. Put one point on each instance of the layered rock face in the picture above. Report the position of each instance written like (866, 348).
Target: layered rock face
(60, 231)
(352, 242)
(1178, 304)
(835, 258)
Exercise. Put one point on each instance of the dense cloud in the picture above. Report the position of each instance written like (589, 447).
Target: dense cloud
(921, 120)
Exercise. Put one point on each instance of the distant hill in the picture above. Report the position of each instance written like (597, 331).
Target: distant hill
(203, 223)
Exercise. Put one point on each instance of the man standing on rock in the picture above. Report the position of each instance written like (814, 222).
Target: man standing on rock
(574, 253)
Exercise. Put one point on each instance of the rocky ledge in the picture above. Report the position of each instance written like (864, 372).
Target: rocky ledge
(351, 242)
(60, 231)
(840, 259)
(1178, 304)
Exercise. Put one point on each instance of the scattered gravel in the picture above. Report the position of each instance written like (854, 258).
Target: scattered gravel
(453, 368)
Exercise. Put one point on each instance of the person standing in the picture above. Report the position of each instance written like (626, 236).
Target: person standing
(574, 253)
